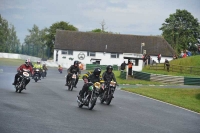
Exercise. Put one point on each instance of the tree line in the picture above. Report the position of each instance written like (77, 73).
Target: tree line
(181, 30)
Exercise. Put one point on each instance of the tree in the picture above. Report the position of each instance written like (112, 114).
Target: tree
(50, 37)
(181, 30)
(4, 32)
(8, 39)
(35, 42)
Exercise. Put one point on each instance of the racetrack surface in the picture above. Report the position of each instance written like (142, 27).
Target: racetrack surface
(48, 107)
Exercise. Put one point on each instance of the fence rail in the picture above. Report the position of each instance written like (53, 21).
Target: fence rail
(177, 68)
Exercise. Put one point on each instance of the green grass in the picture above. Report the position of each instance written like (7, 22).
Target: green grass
(11, 62)
(186, 98)
(193, 61)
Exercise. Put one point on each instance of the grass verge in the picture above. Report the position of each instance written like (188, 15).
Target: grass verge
(186, 98)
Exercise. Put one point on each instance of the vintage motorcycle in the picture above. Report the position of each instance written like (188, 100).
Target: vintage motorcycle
(107, 95)
(71, 82)
(20, 85)
(44, 73)
(36, 75)
(90, 97)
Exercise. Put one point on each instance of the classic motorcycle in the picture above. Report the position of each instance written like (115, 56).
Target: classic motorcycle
(36, 75)
(20, 85)
(107, 95)
(90, 97)
(44, 73)
(71, 82)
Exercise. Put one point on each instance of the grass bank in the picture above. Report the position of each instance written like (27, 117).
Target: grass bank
(186, 98)
(10, 62)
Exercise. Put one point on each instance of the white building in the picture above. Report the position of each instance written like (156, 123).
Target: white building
(107, 49)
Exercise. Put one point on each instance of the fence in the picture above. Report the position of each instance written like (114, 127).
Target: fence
(177, 68)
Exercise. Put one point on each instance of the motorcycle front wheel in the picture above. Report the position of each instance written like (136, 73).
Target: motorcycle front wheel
(92, 103)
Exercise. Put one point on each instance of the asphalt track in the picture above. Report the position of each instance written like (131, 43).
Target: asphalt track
(48, 107)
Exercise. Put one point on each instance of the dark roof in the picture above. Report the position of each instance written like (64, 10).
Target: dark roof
(116, 43)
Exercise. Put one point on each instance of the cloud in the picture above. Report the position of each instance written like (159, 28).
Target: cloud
(17, 16)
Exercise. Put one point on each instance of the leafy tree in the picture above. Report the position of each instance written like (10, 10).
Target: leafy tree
(97, 30)
(181, 30)
(4, 32)
(35, 41)
(50, 37)
(8, 38)
(13, 43)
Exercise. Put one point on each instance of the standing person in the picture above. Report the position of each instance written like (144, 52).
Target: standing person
(123, 66)
(159, 58)
(73, 69)
(167, 64)
(130, 64)
(23, 67)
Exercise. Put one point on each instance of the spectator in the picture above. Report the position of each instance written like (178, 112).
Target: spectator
(167, 64)
(123, 66)
(148, 58)
(159, 58)
(188, 53)
(181, 55)
(130, 64)
(184, 55)
(175, 57)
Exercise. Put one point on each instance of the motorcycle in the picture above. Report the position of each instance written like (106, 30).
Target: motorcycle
(107, 95)
(20, 85)
(71, 82)
(90, 97)
(44, 73)
(36, 75)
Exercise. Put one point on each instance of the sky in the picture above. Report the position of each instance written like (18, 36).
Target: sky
(133, 17)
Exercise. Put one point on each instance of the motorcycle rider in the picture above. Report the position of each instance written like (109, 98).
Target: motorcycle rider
(44, 67)
(73, 69)
(89, 80)
(108, 76)
(38, 66)
(26, 67)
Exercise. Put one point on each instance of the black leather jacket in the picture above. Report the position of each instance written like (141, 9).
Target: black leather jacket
(74, 69)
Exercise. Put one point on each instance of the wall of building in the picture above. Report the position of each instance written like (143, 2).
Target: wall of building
(105, 58)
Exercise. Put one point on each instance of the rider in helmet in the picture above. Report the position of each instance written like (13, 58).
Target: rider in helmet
(73, 69)
(23, 67)
(108, 76)
(92, 78)
(38, 66)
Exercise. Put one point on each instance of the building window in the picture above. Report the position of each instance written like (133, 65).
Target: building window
(114, 55)
(67, 52)
(91, 54)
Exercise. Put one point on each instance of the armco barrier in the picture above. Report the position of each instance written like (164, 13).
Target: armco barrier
(103, 67)
(181, 80)
(141, 75)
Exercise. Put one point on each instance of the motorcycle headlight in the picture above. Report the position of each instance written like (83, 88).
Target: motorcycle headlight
(97, 85)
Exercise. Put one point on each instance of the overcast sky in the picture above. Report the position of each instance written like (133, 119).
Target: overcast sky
(136, 17)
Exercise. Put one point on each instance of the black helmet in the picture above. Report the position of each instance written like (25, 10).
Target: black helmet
(97, 71)
(76, 62)
(109, 67)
